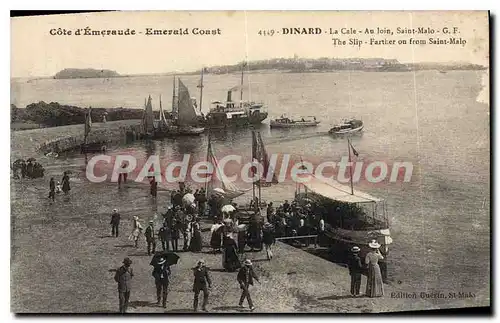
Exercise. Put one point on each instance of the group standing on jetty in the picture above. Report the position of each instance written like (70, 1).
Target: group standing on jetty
(230, 238)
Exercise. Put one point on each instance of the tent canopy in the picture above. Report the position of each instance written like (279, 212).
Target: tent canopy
(335, 191)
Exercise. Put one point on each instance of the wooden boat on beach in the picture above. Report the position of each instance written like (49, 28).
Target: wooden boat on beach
(284, 122)
(348, 126)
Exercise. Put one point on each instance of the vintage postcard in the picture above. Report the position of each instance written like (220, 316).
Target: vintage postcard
(250, 162)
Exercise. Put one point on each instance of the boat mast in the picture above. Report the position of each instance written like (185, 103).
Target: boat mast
(254, 168)
(201, 88)
(173, 99)
(241, 84)
(350, 167)
(209, 148)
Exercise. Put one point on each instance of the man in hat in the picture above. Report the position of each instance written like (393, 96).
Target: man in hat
(161, 273)
(245, 278)
(164, 234)
(123, 277)
(202, 282)
(115, 222)
(355, 269)
(150, 237)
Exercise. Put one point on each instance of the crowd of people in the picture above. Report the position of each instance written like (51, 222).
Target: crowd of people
(27, 169)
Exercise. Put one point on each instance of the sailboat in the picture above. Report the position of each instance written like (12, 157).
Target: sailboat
(186, 120)
(231, 114)
(219, 183)
(148, 127)
(87, 147)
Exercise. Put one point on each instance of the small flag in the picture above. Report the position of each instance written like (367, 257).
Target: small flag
(354, 150)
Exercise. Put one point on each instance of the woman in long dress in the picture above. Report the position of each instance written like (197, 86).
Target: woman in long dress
(136, 231)
(216, 238)
(196, 244)
(374, 283)
(230, 259)
(65, 183)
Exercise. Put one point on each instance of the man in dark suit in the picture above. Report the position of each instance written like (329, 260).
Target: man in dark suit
(246, 275)
(202, 282)
(150, 238)
(52, 192)
(123, 277)
(115, 223)
(161, 273)
(355, 269)
(164, 235)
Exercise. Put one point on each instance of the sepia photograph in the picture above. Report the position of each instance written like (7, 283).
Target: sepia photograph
(250, 162)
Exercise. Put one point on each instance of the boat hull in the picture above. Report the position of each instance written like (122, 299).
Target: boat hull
(279, 125)
(346, 131)
(340, 242)
(216, 120)
(93, 148)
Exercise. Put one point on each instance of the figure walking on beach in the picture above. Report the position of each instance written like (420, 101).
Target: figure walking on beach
(161, 273)
(123, 174)
(65, 183)
(195, 244)
(355, 269)
(374, 283)
(202, 282)
(246, 275)
(165, 235)
(136, 231)
(176, 224)
(268, 239)
(115, 223)
(123, 277)
(153, 188)
(52, 191)
(150, 238)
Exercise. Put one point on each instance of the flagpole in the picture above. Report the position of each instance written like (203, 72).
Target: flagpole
(259, 182)
(209, 148)
(350, 167)
(253, 167)
(241, 89)
(201, 88)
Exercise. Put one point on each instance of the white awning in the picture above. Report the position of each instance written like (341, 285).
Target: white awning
(335, 191)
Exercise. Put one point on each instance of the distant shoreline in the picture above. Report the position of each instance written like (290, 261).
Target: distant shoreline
(262, 71)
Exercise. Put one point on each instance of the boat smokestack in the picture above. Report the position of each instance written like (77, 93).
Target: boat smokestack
(229, 96)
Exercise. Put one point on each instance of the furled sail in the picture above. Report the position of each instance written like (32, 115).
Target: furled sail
(148, 117)
(162, 115)
(219, 180)
(260, 155)
(187, 113)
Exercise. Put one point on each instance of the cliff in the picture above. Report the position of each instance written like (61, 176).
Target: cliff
(74, 73)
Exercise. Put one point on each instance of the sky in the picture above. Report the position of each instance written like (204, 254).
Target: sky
(36, 53)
